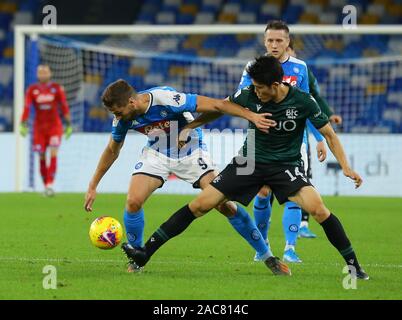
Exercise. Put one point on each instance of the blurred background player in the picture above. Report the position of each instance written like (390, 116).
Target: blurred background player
(304, 231)
(295, 73)
(48, 99)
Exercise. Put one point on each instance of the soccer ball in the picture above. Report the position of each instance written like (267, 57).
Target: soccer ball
(105, 232)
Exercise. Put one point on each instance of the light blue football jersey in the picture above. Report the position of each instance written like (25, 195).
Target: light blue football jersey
(168, 111)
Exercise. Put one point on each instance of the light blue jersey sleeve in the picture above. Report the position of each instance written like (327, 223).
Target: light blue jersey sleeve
(119, 129)
(174, 101)
(245, 78)
(304, 81)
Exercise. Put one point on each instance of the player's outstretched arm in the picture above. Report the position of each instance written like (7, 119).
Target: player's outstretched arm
(108, 157)
(206, 104)
(335, 146)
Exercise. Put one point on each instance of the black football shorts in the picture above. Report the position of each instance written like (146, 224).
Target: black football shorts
(284, 180)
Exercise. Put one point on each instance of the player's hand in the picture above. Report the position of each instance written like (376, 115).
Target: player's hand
(262, 122)
(336, 119)
(89, 199)
(183, 136)
(321, 151)
(354, 176)
(68, 131)
(23, 129)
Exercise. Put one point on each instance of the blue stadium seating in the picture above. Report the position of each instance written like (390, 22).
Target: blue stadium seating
(379, 113)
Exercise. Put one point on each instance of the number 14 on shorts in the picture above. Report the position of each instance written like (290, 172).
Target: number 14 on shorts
(297, 173)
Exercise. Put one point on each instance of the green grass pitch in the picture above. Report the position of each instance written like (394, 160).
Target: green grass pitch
(208, 261)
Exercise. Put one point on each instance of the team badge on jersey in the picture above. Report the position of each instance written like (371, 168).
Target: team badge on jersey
(291, 113)
(164, 114)
(138, 165)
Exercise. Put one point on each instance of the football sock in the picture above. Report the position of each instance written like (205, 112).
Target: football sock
(305, 217)
(337, 236)
(262, 214)
(51, 170)
(246, 227)
(291, 222)
(175, 225)
(43, 170)
(134, 224)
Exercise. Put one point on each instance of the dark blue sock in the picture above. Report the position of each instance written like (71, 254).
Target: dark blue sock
(262, 214)
(291, 222)
(246, 227)
(134, 224)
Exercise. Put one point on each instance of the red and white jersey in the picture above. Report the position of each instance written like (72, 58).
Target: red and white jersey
(46, 98)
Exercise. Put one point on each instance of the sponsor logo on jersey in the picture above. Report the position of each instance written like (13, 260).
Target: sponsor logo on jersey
(45, 107)
(160, 125)
(258, 106)
(292, 113)
(217, 179)
(44, 98)
(134, 123)
(115, 122)
(164, 114)
(292, 80)
(296, 69)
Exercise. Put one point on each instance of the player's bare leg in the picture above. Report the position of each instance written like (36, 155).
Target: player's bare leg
(310, 200)
(141, 187)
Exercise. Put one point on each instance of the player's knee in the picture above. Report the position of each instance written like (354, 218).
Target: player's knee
(320, 212)
(133, 204)
(228, 209)
(264, 192)
(198, 208)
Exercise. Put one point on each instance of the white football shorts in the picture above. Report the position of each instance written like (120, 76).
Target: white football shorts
(190, 168)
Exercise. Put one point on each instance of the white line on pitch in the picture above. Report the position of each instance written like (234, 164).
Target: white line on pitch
(77, 260)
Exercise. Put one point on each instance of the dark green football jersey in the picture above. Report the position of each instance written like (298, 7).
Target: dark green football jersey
(315, 92)
(283, 143)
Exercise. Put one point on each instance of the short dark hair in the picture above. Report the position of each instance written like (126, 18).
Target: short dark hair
(266, 70)
(117, 94)
(277, 25)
